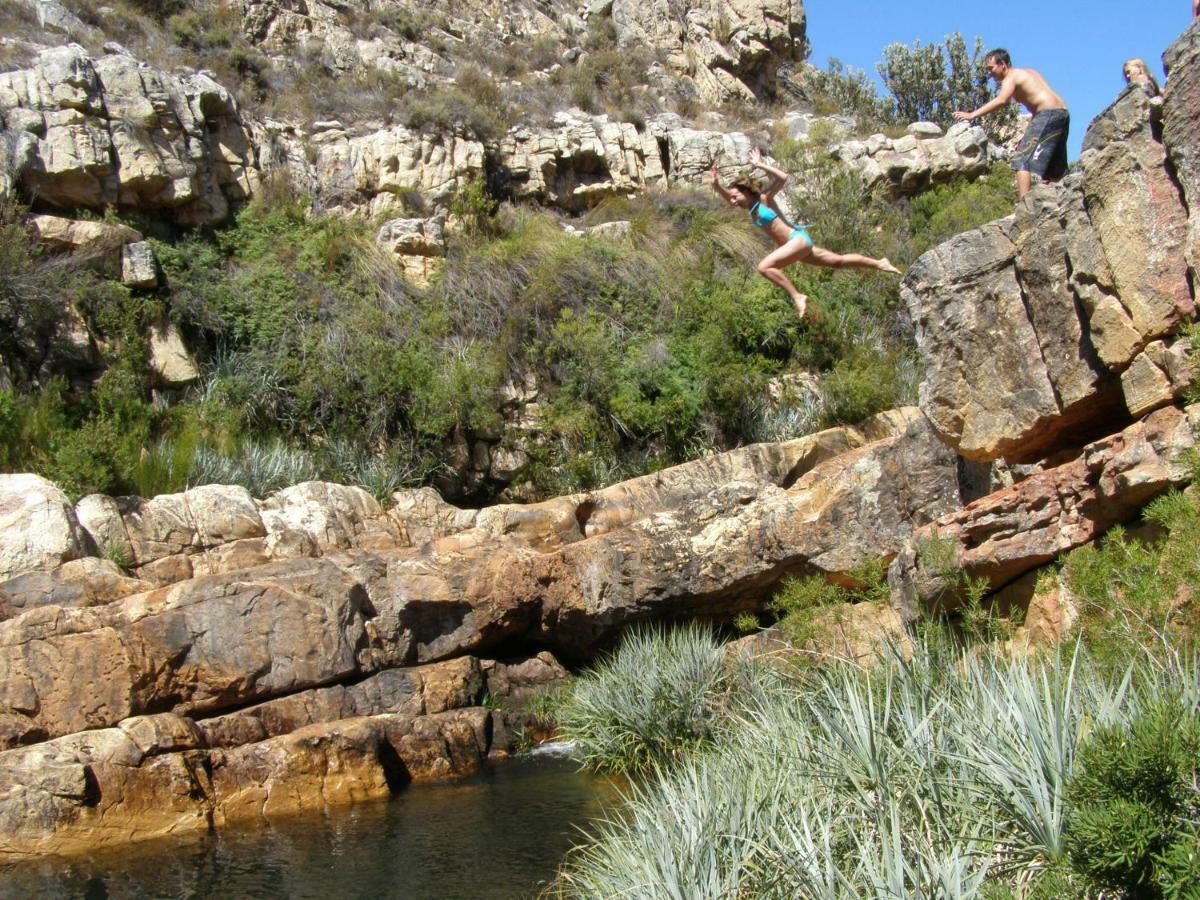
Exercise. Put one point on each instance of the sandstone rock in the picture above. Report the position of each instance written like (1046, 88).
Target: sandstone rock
(1157, 376)
(583, 161)
(167, 570)
(713, 555)
(416, 243)
(100, 516)
(378, 168)
(77, 236)
(202, 645)
(1136, 212)
(164, 530)
(304, 771)
(923, 158)
(170, 359)
(138, 268)
(730, 50)
(514, 682)
(334, 515)
(1006, 534)
(1060, 299)
(446, 745)
(223, 513)
(148, 778)
(1051, 611)
(424, 515)
(38, 528)
(87, 791)
(116, 131)
(1181, 133)
(81, 582)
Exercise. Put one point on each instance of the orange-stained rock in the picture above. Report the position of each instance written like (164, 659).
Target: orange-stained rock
(1006, 534)
(304, 771)
(204, 644)
(89, 581)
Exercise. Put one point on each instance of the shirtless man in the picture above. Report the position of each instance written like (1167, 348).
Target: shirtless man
(1043, 149)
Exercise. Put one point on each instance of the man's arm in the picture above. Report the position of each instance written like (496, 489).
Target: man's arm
(1195, 8)
(1007, 87)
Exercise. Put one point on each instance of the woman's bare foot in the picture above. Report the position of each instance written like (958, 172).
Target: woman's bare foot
(800, 301)
(885, 265)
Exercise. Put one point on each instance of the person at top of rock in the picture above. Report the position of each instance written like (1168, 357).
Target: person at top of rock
(1136, 73)
(1195, 8)
(1043, 149)
(793, 243)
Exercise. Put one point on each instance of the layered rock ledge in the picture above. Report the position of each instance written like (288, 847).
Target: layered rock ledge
(311, 648)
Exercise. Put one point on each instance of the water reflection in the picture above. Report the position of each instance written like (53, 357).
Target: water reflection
(498, 835)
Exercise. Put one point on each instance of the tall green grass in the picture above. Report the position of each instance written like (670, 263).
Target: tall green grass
(944, 776)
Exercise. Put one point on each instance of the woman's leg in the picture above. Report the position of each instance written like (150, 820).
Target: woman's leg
(822, 257)
(771, 268)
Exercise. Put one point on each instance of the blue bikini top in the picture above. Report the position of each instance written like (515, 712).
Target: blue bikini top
(762, 216)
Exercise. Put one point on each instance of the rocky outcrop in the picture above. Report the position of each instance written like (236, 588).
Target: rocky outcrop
(1181, 130)
(163, 774)
(923, 158)
(98, 132)
(563, 574)
(1010, 532)
(1029, 324)
(729, 49)
(712, 553)
(419, 245)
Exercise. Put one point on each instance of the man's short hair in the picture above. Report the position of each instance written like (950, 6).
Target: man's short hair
(999, 55)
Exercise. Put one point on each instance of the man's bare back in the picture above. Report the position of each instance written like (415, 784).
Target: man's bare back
(1030, 89)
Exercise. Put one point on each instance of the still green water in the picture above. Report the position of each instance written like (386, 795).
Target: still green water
(500, 834)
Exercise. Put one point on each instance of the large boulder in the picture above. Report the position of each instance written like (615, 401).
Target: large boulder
(1028, 323)
(717, 551)
(38, 528)
(88, 581)
(203, 645)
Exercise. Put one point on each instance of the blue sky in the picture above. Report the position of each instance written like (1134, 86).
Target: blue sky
(1078, 46)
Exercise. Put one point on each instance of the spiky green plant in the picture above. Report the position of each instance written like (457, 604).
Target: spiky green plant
(941, 776)
(652, 701)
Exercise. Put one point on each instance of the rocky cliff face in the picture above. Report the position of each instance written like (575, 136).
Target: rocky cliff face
(1059, 326)
(1050, 326)
(261, 655)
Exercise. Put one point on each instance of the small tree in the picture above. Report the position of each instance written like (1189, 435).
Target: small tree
(930, 81)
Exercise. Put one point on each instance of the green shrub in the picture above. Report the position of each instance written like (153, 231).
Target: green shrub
(798, 601)
(651, 702)
(1135, 795)
(944, 775)
(1135, 590)
(841, 89)
(929, 82)
(947, 210)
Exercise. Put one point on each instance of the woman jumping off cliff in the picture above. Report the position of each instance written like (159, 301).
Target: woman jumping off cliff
(793, 242)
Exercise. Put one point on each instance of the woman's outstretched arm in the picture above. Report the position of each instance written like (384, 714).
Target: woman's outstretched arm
(778, 176)
(715, 180)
